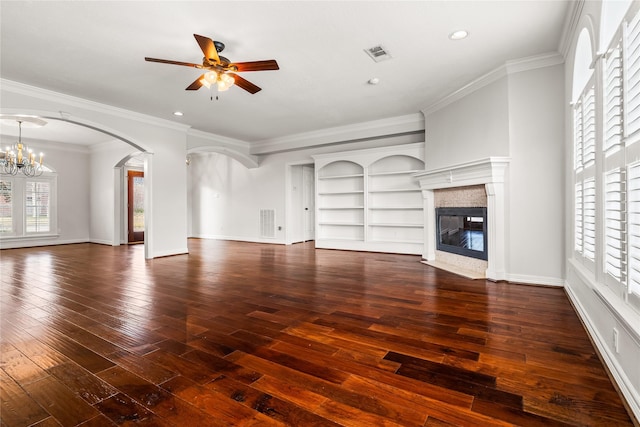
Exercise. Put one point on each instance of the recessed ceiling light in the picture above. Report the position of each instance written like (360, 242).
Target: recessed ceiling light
(459, 35)
(373, 81)
(178, 113)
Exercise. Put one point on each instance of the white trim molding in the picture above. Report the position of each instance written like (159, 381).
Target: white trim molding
(598, 315)
(249, 161)
(58, 97)
(509, 67)
(410, 123)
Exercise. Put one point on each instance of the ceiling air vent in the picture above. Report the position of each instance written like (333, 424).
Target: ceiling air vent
(378, 53)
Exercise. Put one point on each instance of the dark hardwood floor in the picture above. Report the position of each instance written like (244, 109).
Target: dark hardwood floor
(250, 334)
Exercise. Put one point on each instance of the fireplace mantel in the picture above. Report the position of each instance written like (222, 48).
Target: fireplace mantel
(489, 172)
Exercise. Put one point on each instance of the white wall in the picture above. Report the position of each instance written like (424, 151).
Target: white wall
(226, 197)
(536, 209)
(104, 193)
(71, 163)
(73, 192)
(474, 127)
(223, 203)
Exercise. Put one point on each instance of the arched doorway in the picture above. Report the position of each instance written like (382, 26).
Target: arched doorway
(98, 144)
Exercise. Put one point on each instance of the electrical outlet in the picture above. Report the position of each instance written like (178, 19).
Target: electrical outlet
(615, 340)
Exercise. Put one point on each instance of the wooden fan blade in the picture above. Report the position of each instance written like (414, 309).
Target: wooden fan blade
(269, 64)
(167, 61)
(245, 84)
(197, 84)
(209, 50)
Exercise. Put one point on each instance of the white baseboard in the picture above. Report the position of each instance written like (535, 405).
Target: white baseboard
(238, 238)
(171, 252)
(620, 377)
(31, 242)
(535, 280)
(101, 242)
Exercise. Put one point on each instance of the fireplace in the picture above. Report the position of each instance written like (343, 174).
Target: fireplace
(488, 174)
(462, 231)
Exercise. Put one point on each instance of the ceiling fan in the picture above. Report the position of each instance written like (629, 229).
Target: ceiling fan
(221, 71)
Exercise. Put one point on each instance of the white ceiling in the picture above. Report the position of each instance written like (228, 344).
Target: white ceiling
(95, 50)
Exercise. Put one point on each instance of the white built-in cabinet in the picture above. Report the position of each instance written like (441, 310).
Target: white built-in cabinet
(368, 200)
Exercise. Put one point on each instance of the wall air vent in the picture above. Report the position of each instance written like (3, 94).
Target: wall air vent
(267, 223)
(378, 53)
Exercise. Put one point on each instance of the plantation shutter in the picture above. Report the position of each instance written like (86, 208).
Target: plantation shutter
(615, 224)
(613, 100)
(632, 76)
(633, 189)
(589, 128)
(578, 218)
(589, 218)
(577, 136)
(37, 206)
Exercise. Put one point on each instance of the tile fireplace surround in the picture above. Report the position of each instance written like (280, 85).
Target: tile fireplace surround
(489, 172)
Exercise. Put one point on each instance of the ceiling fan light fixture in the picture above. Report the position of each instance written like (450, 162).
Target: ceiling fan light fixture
(225, 81)
(211, 77)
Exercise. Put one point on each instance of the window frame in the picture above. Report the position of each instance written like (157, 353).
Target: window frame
(584, 172)
(19, 202)
(11, 233)
(619, 152)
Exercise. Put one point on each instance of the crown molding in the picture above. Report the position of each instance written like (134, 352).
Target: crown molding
(534, 62)
(509, 67)
(358, 131)
(480, 82)
(217, 139)
(49, 95)
(570, 26)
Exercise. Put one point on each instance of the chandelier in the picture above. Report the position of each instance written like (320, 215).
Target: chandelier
(20, 158)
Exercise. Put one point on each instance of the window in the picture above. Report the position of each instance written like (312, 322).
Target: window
(621, 132)
(6, 207)
(606, 160)
(27, 206)
(584, 167)
(633, 191)
(37, 207)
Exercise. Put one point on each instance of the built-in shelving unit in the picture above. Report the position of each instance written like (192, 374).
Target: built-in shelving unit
(368, 200)
(340, 201)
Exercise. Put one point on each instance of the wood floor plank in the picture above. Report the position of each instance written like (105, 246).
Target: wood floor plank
(82, 382)
(124, 411)
(22, 369)
(258, 334)
(223, 409)
(75, 351)
(265, 403)
(18, 408)
(65, 406)
(162, 403)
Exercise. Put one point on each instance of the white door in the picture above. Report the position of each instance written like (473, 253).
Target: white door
(308, 203)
